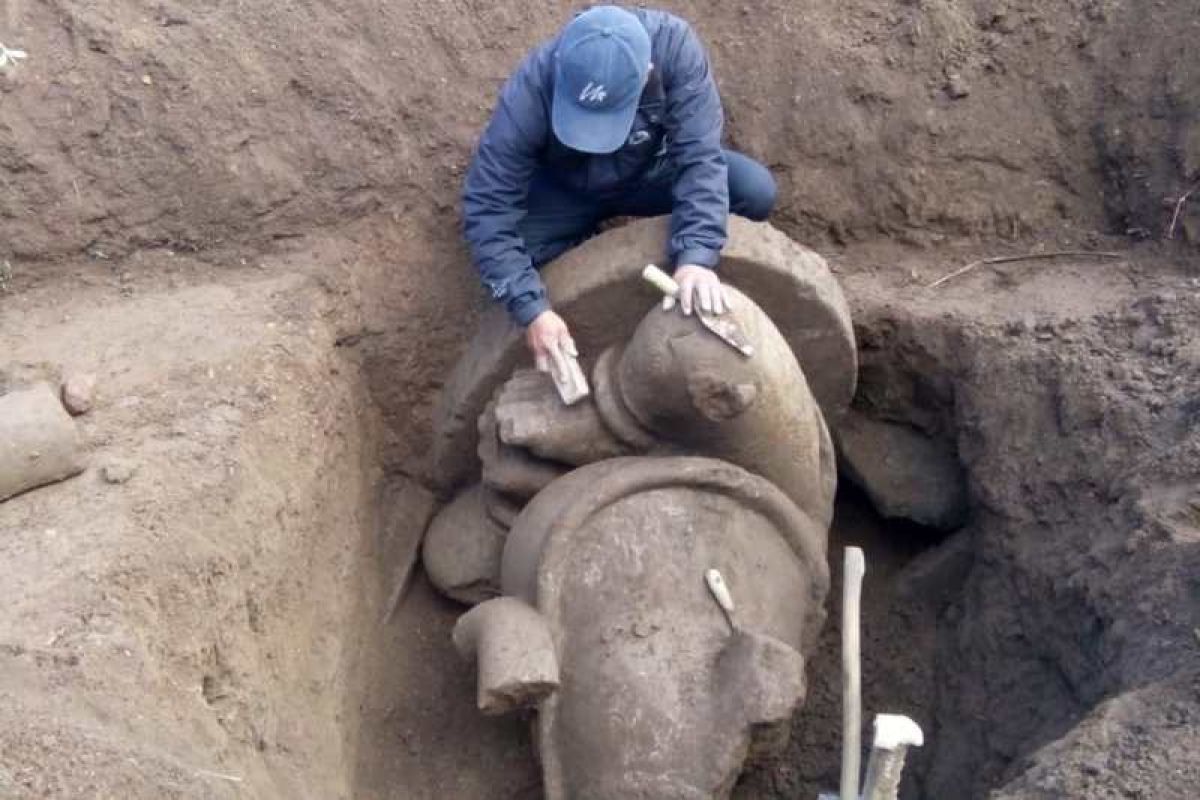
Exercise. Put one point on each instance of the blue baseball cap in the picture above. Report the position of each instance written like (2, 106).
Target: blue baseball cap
(600, 68)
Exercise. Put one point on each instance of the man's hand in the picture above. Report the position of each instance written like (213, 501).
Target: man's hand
(699, 288)
(549, 340)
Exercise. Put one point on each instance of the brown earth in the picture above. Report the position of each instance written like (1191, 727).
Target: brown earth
(242, 218)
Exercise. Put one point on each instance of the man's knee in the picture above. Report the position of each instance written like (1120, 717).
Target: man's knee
(759, 201)
(752, 188)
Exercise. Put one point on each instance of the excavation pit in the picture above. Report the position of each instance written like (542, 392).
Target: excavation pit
(242, 219)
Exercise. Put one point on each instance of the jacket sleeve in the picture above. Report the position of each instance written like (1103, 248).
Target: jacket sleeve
(496, 191)
(694, 121)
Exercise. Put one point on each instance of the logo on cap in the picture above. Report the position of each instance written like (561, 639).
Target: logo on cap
(593, 93)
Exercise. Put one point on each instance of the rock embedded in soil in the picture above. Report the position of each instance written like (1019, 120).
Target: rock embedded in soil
(78, 393)
(957, 87)
(117, 471)
(39, 443)
(905, 474)
(462, 549)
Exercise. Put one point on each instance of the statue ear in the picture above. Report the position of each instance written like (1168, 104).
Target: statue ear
(763, 681)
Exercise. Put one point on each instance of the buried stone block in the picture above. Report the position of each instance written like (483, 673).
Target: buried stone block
(906, 475)
(39, 443)
(461, 552)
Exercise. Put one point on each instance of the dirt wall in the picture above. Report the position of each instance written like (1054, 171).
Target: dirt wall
(185, 618)
(1068, 398)
(136, 123)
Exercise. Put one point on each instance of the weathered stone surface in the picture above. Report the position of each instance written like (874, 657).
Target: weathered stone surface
(462, 549)
(39, 443)
(688, 388)
(598, 289)
(78, 393)
(659, 698)
(906, 475)
(530, 414)
(514, 651)
(510, 470)
(118, 470)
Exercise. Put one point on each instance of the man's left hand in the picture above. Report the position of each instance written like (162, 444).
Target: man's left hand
(699, 289)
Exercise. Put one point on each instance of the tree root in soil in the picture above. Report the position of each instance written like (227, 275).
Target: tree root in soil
(1025, 257)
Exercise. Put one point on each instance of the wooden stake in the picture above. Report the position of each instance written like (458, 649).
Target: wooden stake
(854, 567)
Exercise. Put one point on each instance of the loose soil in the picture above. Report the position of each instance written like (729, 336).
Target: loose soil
(242, 218)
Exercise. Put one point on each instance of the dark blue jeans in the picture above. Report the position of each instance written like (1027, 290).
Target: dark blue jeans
(558, 218)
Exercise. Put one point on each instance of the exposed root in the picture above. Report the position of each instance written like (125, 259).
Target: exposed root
(1178, 208)
(1025, 257)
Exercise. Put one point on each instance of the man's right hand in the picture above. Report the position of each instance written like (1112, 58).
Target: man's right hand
(549, 339)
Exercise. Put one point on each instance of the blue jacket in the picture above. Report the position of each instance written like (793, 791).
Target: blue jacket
(679, 108)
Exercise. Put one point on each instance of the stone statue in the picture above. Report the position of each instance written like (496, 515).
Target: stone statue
(585, 543)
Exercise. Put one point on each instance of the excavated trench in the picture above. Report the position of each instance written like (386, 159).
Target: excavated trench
(420, 737)
(1046, 644)
(212, 626)
(412, 746)
(1019, 639)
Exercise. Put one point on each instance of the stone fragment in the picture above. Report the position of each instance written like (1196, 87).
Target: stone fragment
(462, 549)
(407, 509)
(78, 392)
(514, 649)
(957, 87)
(511, 470)
(118, 470)
(906, 475)
(39, 443)
(529, 414)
